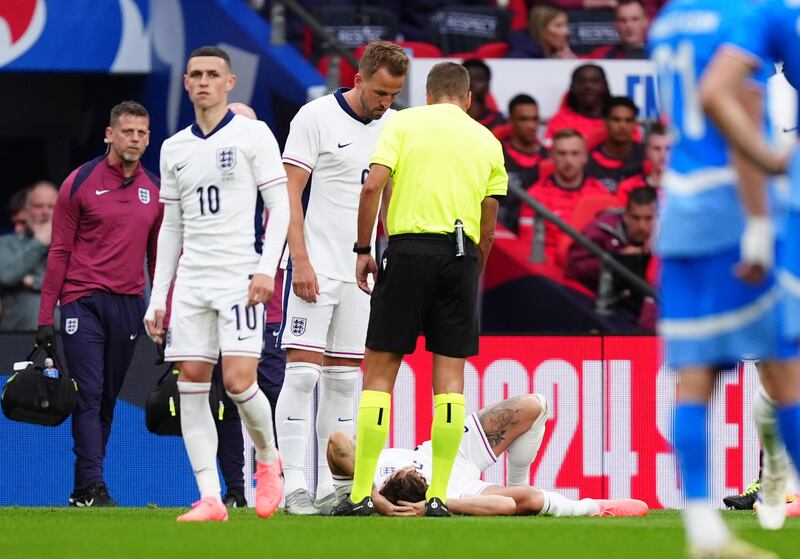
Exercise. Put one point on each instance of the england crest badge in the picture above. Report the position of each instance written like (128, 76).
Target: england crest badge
(298, 326)
(71, 326)
(226, 159)
(144, 196)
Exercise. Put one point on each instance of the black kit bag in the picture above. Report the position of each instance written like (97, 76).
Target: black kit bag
(162, 412)
(39, 395)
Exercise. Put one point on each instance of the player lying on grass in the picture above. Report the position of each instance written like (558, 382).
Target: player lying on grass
(515, 426)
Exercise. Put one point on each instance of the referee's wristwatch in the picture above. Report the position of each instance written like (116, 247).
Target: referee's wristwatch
(361, 250)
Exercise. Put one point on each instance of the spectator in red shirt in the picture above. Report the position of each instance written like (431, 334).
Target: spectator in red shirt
(619, 156)
(631, 23)
(560, 191)
(627, 234)
(583, 104)
(523, 153)
(547, 35)
(656, 151)
(106, 220)
(480, 77)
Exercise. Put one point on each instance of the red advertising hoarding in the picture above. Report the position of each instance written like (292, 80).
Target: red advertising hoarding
(610, 414)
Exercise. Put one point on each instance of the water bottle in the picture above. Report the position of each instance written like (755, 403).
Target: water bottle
(49, 370)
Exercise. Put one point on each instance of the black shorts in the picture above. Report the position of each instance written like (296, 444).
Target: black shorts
(423, 287)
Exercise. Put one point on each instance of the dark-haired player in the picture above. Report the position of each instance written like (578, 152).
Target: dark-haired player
(515, 426)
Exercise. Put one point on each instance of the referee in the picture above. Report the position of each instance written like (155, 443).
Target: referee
(446, 171)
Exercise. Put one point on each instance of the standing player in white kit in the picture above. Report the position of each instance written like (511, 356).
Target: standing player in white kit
(211, 174)
(325, 313)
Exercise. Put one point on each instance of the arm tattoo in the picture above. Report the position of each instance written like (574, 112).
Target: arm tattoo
(341, 452)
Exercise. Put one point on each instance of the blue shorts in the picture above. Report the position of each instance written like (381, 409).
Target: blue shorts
(788, 267)
(711, 318)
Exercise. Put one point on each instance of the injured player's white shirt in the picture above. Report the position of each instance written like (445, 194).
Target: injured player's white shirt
(464, 480)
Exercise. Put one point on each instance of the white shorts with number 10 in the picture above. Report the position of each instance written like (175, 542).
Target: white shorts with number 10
(335, 325)
(205, 321)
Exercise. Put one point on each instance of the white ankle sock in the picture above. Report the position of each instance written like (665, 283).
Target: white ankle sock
(200, 436)
(704, 525)
(767, 424)
(256, 414)
(293, 421)
(558, 505)
(522, 452)
(337, 389)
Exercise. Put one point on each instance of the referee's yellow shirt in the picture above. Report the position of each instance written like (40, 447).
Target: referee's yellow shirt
(443, 165)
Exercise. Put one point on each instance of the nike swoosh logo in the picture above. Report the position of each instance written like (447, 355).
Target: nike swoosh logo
(343, 145)
(179, 167)
(346, 419)
(101, 192)
(290, 418)
(245, 338)
(133, 336)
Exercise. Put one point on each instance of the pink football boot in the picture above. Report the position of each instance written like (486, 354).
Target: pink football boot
(205, 510)
(621, 507)
(269, 488)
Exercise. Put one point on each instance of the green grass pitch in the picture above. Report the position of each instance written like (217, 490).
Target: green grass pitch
(153, 533)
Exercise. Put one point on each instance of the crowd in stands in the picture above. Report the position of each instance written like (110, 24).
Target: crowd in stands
(587, 168)
(594, 29)
(586, 163)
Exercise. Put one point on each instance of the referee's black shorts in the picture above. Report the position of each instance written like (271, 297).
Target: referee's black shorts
(423, 287)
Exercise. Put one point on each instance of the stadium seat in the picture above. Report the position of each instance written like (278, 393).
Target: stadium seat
(589, 29)
(353, 25)
(492, 50)
(347, 73)
(519, 11)
(585, 211)
(546, 168)
(462, 29)
(502, 132)
(596, 138)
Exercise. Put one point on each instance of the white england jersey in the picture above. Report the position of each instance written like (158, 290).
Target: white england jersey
(329, 140)
(216, 179)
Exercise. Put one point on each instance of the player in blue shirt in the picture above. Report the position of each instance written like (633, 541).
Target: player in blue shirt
(770, 34)
(713, 312)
